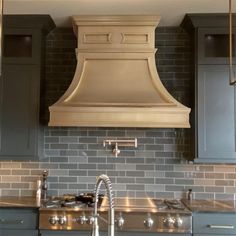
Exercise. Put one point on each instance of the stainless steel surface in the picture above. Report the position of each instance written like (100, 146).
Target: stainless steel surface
(111, 214)
(18, 202)
(131, 214)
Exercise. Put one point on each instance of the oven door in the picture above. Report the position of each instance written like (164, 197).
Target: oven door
(148, 234)
(63, 233)
(88, 233)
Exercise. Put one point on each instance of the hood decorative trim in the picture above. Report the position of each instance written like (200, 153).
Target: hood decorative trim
(116, 83)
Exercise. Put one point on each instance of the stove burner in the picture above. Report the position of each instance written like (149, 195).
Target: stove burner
(165, 204)
(72, 201)
(160, 204)
(174, 204)
(52, 204)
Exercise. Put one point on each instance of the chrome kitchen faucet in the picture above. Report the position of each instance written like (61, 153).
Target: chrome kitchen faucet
(106, 180)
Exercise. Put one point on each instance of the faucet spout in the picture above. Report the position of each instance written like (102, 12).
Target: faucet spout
(111, 215)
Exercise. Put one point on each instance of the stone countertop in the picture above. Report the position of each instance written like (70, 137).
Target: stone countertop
(26, 202)
(211, 206)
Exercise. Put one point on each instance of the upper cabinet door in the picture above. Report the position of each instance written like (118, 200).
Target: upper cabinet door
(19, 112)
(216, 105)
(213, 45)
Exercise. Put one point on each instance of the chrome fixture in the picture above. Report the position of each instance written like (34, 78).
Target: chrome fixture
(120, 143)
(45, 185)
(232, 76)
(104, 179)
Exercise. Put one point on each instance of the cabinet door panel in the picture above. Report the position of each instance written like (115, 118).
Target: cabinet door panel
(19, 111)
(214, 224)
(213, 46)
(216, 115)
(11, 218)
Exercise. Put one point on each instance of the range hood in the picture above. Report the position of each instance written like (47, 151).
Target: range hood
(116, 83)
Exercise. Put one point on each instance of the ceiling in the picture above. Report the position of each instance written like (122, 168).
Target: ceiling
(171, 11)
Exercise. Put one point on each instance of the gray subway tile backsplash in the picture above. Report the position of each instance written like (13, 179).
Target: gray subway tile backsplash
(75, 156)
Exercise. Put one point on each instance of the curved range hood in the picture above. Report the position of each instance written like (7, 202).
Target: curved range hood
(116, 83)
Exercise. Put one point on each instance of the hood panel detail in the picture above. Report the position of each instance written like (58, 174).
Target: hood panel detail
(116, 83)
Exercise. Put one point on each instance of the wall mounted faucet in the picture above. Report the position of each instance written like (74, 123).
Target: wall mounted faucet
(120, 143)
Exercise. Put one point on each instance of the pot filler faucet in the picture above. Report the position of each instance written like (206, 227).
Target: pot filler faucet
(104, 179)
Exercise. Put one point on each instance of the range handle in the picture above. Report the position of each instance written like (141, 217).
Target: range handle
(11, 222)
(220, 226)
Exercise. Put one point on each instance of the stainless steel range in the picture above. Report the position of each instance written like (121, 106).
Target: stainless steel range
(131, 215)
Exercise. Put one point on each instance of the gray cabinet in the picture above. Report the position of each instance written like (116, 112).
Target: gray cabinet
(18, 221)
(209, 224)
(216, 103)
(22, 71)
(213, 101)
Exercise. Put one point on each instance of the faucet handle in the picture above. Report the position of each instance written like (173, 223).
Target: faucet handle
(45, 173)
(190, 194)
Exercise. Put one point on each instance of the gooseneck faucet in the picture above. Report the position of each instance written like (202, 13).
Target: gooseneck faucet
(106, 180)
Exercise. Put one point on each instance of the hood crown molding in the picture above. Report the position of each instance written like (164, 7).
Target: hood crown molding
(116, 83)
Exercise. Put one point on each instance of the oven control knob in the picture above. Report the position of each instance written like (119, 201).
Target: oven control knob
(82, 220)
(53, 220)
(61, 220)
(148, 222)
(168, 221)
(178, 221)
(90, 220)
(120, 222)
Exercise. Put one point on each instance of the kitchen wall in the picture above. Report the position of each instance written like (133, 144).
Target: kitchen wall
(75, 156)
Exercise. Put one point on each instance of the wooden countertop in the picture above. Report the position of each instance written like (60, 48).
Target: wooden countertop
(26, 202)
(214, 206)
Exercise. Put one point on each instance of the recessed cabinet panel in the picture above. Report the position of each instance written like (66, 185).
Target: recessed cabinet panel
(213, 45)
(216, 114)
(21, 46)
(217, 45)
(17, 46)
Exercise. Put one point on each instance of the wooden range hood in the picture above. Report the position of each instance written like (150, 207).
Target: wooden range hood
(116, 83)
